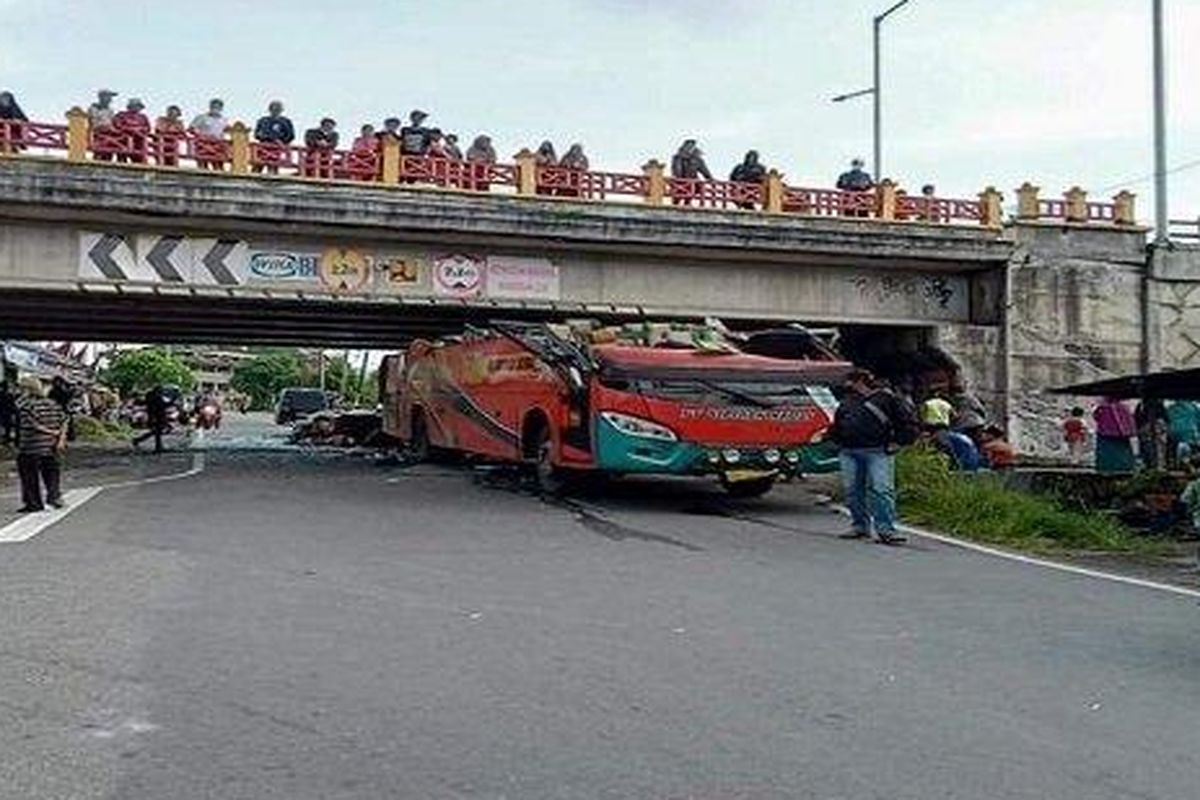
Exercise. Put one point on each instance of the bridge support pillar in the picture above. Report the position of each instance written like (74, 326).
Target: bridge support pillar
(1123, 211)
(887, 199)
(390, 164)
(773, 192)
(991, 213)
(656, 182)
(1027, 201)
(239, 149)
(526, 172)
(77, 134)
(1076, 200)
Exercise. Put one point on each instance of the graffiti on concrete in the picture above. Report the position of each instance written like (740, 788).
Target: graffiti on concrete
(931, 290)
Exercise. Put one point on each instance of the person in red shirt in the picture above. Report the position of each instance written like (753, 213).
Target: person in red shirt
(1075, 433)
(136, 129)
(170, 131)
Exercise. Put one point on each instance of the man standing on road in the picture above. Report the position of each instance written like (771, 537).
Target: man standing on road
(42, 436)
(870, 424)
(157, 408)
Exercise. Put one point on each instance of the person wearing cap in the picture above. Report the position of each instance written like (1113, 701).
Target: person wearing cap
(273, 132)
(870, 424)
(41, 438)
(415, 137)
(320, 142)
(100, 120)
(135, 126)
(209, 127)
(855, 179)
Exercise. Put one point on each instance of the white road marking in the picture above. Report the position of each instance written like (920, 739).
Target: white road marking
(30, 525)
(1039, 562)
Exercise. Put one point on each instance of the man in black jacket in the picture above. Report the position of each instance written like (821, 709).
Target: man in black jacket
(870, 424)
(274, 133)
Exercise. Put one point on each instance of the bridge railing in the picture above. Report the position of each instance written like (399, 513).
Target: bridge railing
(1186, 229)
(236, 153)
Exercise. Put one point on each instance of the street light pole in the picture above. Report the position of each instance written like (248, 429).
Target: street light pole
(875, 91)
(1161, 225)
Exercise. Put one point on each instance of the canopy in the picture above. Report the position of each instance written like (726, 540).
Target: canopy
(1183, 384)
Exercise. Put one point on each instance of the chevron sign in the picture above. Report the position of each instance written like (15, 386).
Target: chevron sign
(170, 259)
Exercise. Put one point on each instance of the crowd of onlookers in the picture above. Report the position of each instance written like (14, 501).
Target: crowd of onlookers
(124, 134)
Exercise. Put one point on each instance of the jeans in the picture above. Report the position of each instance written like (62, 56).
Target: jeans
(868, 475)
(36, 470)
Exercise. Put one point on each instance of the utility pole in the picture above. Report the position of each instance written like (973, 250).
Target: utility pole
(1161, 224)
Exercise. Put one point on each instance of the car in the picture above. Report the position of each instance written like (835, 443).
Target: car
(297, 401)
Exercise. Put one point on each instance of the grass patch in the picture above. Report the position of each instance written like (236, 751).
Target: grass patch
(981, 508)
(94, 431)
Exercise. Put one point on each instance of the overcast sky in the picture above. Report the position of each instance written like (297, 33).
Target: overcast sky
(976, 92)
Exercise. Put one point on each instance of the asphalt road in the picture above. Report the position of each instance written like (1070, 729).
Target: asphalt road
(296, 625)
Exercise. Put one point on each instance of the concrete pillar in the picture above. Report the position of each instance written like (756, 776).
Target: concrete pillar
(887, 199)
(1076, 200)
(1123, 212)
(239, 149)
(390, 164)
(1027, 201)
(990, 213)
(773, 192)
(77, 134)
(656, 182)
(526, 172)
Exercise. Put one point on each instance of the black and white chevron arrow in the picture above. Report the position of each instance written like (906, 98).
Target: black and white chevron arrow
(159, 258)
(216, 261)
(100, 257)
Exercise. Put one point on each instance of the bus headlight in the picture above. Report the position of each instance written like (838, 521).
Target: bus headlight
(636, 426)
(731, 455)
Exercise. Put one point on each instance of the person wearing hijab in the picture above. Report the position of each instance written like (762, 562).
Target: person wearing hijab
(545, 157)
(480, 157)
(575, 161)
(11, 117)
(750, 170)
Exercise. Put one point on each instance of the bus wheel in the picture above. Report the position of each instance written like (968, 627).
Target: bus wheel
(550, 479)
(754, 487)
(418, 444)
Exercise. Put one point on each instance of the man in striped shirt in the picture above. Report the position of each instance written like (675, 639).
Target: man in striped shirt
(42, 434)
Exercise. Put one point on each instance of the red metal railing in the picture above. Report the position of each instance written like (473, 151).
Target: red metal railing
(713, 194)
(182, 149)
(17, 136)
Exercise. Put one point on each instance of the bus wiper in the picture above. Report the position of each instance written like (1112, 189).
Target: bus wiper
(736, 395)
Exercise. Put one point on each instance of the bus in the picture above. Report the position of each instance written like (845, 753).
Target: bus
(636, 399)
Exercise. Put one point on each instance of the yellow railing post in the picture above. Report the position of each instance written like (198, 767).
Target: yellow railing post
(1027, 201)
(390, 167)
(77, 134)
(526, 172)
(656, 182)
(773, 192)
(1076, 208)
(887, 199)
(239, 149)
(991, 213)
(1123, 212)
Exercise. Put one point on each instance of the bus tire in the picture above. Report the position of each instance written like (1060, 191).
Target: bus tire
(419, 449)
(755, 487)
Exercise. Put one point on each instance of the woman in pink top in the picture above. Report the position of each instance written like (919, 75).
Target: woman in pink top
(1115, 430)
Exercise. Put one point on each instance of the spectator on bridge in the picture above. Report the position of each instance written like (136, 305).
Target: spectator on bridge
(100, 120)
(209, 129)
(391, 127)
(855, 179)
(437, 145)
(41, 438)
(367, 141)
(870, 423)
(274, 133)
(688, 162)
(750, 170)
(929, 209)
(450, 145)
(170, 132)
(415, 137)
(135, 125)
(11, 117)
(320, 142)
(481, 150)
(544, 157)
(576, 162)
(1115, 429)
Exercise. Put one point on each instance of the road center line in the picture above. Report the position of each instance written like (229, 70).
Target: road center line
(30, 525)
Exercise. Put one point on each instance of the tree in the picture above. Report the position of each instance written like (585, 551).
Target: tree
(264, 376)
(134, 372)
